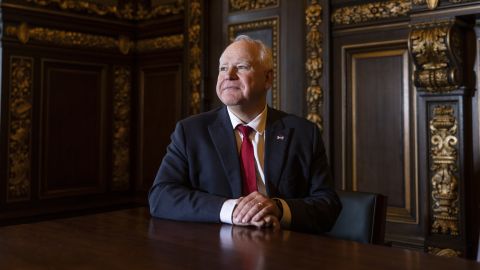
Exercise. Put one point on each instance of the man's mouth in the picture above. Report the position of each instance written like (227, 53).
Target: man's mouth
(231, 88)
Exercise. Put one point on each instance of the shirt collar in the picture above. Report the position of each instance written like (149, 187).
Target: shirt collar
(258, 123)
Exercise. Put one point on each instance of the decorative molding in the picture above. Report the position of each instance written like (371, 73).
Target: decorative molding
(20, 129)
(314, 63)
(195, 54)
(159, 10)
(128, 11)
(59, 37)
(444, 183)
(444, 252)
(160, 43)
(436, 51)
(244, 5)
(272, 24)
(433, 4)
(371, 12)
(25, 34)
(121, 127)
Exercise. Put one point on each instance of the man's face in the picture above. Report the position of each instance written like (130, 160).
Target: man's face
(242, 78)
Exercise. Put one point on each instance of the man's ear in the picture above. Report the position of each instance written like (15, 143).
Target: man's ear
(268, 79)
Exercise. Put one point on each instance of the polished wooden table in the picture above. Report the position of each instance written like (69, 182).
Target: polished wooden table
(130, 239)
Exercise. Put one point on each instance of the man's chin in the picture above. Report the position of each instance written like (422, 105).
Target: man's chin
(230, 101)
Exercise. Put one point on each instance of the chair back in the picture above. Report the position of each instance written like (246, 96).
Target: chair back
(362, 218)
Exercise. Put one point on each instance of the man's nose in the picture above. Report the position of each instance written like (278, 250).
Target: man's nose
(232, 73)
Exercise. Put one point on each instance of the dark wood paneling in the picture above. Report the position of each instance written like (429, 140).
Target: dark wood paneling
(85, 116)
(377, 123)
(160, 105)
(374, 123)
(72, 128)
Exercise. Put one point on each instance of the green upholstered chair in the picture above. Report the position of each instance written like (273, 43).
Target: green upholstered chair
(362, 218)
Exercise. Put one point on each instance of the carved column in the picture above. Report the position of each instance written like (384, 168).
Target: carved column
(19, 142)
(194, 52)
(121, 127)
(442, 80)
(314, 63)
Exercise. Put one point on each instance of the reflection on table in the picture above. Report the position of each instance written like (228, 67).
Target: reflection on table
(131, 239)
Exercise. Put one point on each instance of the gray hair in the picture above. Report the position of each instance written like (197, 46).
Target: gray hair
(265, 52)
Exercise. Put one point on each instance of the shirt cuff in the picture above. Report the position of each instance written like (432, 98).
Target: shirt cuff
(227, 211)
(287, 215)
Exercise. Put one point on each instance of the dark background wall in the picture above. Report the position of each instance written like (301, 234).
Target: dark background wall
(90, 95)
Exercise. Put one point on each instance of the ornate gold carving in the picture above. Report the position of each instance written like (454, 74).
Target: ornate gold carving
(121, 127)
(20, 128)
(165, 42)
(69, 38)
(433, 4)
(22, 33)
(314, 63)
(444, 183)
(165, 9)
(371, 12)
(124, 44)
(233, 30)
(243, 5)
(444, 252)
(437, 55)
(195, 54)
(127, 11)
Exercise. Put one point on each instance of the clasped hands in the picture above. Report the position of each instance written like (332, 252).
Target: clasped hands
(258, 210)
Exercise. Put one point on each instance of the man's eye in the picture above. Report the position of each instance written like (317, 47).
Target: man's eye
(243, 67)
(223, 68)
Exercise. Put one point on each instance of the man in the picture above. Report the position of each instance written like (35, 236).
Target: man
(245, 163)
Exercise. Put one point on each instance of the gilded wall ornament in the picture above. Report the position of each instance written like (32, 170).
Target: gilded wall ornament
(24, 33)
(444, 252)
(20, 129)
(314, 62)
(121, 127)
(444, 181)
(436, 50)
(244, 5)
(63, 38)
(371, 12)
(195, 54)
(433, 4)
(127, 11)
(160, 43)
(124, 44)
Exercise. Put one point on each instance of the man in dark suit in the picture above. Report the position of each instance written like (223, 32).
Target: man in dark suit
(245, 163)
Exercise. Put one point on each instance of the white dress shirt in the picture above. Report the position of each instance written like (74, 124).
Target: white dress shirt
(258, 140)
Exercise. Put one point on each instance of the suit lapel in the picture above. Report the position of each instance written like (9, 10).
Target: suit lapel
(277, 138)
(223, 138)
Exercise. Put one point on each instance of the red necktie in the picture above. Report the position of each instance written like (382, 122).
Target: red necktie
(248, 161)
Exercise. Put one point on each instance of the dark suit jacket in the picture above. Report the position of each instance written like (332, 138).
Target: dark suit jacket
(202, 169)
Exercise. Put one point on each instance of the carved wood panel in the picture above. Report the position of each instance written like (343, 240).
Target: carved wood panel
(378, 128)
(374, 125)
(20, 126)
(73, 128)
